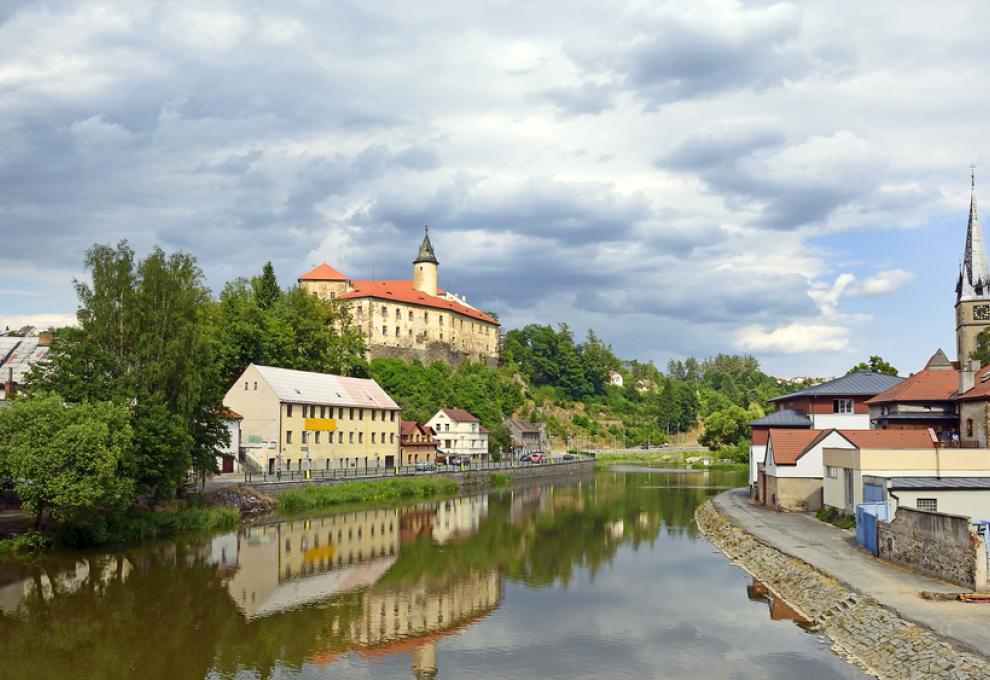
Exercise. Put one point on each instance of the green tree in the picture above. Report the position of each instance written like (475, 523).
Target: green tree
(725, 428)
(875, 364)
(67, 460)
(982, 351)
(266, 290)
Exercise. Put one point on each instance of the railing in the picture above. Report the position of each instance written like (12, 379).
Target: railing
(403, 471)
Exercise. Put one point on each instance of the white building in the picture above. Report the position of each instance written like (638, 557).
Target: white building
(228, 460)
(615, 378)
(460, 434)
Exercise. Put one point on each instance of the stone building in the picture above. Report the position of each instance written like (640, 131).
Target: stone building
(298, 420)
(411, 319)
(527, 437)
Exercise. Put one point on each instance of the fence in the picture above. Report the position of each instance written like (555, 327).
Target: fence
(367, 472)
(867, 515)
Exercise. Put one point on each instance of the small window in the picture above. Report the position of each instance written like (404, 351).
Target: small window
(969, 427)
(397, 313)
(392, 414)
(410, 333)
(842, 406)
(340, 437)
(396, 331)
(351, 416)
(410, 315)
(323, 411)
(441, 320)
(255, 385)
(360, 437)
(832, 472)
(374, 414)
(372, 437)
(384, 330)
(305, 437)
(317, 436)
(929, 504)
(350, 437)
(288, 436)
(360, 414)
(288, 410)
(245, 385)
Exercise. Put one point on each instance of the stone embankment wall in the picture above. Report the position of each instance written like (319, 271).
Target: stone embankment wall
(469, 479)
(869, 635)
(936, 544)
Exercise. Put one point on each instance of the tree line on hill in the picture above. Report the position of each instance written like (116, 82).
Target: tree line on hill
(129, 401)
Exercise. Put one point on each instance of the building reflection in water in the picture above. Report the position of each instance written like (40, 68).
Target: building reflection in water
(779, 610)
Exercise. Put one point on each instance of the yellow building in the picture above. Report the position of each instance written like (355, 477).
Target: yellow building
(411, 318)
(298, 420)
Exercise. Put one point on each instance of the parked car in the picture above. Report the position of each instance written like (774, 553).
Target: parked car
(426, 466)
(538, 457)
(458, 460)
(568, 456)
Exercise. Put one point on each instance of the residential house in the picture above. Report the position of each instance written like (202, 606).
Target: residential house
(923, 400)
(615, 378)
(838, 403)
(228, 461)
(17, 356)
(460, 434)
(418, 443)
(790, 476)
(526, 437)
(299, 420)
(891, 453)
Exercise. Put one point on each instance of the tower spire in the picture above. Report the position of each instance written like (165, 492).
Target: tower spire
(426, 253)
(974, 278)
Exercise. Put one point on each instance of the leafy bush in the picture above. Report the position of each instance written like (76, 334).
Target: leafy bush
(314, 497)
(836, 517)
(500, 479)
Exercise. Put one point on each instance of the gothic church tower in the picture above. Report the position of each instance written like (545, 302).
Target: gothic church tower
(973, 287)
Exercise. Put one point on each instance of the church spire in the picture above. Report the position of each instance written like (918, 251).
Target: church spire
(974, 278)
(426, 249)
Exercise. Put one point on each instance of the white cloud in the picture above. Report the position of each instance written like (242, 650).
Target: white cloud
(44, 321)
(881, 283)
(794, 338)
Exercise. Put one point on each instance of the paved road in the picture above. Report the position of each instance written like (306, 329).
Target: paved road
(834, 551)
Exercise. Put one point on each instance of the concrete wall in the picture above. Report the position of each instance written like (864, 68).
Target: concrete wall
(974, 504)
(936, 544)
(793, 494)
(979, 413)
(841, 421)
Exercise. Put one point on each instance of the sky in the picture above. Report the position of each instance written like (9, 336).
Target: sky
(789, 180)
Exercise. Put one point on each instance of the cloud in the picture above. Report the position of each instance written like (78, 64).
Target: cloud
(794, 338)
(881, 283)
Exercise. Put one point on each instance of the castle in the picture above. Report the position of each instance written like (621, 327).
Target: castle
(411, 319)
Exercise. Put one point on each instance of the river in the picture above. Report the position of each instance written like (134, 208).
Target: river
(604, 578)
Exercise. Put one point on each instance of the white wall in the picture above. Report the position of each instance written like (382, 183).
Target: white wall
(757, 452)
(841, 421)
(810, 464)
(466, 438)
(975, 504)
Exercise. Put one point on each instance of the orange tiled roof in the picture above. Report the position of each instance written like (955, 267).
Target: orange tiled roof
(323, 273)
(790, 444)
(926, 385)
(981, 386)
(403, 291)
(889, 439)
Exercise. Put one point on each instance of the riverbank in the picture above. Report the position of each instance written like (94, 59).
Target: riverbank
(868, 632)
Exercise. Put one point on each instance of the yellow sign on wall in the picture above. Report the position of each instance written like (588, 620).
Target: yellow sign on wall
(325, 424)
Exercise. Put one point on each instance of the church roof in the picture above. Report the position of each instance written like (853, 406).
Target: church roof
(403, 291)
(974, 275)
(426, 253)
(938, 381)
(324, 272)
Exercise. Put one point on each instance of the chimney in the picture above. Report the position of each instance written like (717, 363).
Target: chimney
(967, 375)
(10, 387)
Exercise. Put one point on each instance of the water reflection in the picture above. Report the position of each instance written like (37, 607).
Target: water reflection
(757, 591)
(385, 592)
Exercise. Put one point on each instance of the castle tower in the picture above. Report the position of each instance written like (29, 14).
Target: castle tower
(425, 267)
(973, 287)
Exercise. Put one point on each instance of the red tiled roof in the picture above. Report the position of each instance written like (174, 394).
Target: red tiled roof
(459, 415)
(403, 291)
(229, 413)
(790, 444)
(323, 273)
(981, 386)
(889, 439)
(926, 385)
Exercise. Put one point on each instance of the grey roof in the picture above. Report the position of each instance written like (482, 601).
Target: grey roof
(17, 355)
(860, 383)
(789, 417)
(426, 250)
(940, 483)
(305, 387)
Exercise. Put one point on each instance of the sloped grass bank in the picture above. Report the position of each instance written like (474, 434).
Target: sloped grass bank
(346, 493)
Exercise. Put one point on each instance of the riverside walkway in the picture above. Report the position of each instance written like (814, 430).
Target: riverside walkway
(834, 551)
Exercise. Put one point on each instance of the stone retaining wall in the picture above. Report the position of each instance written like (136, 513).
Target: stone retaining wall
(936, 544)
(861, 630)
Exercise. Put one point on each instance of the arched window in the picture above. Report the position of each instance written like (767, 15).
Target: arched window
(969, 427)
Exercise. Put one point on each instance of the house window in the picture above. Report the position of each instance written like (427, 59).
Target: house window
(373, 413)
(397, 313)
(446, 427)
(373, 438)
(245, 385)
(929, 504)
(350, 437)
(360, 414)
(396, 331)
(352, 414)
(360, 437)
(317, 436)
(832, 472)
(969, 427)
(391, 438)
(392, 416)
(410, 315)
(842, 406)
(384, 330)
(323, 412)
(340, 437)
(288, 436)
(255, 385)
(288, 410)
(305, 437)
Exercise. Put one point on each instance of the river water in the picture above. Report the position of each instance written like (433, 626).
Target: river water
(604, 578)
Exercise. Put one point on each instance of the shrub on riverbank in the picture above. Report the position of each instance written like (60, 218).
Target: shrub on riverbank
(500, 479)
(837, 518)
(735, 467)
(315, 497)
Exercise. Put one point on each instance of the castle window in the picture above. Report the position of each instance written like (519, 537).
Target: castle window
(397, 313)
(396, 331)
(360, 437)
(384, 330)
(410, 332)
(410, 315)
(426, 315)
(441, 320)
(969, 427)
